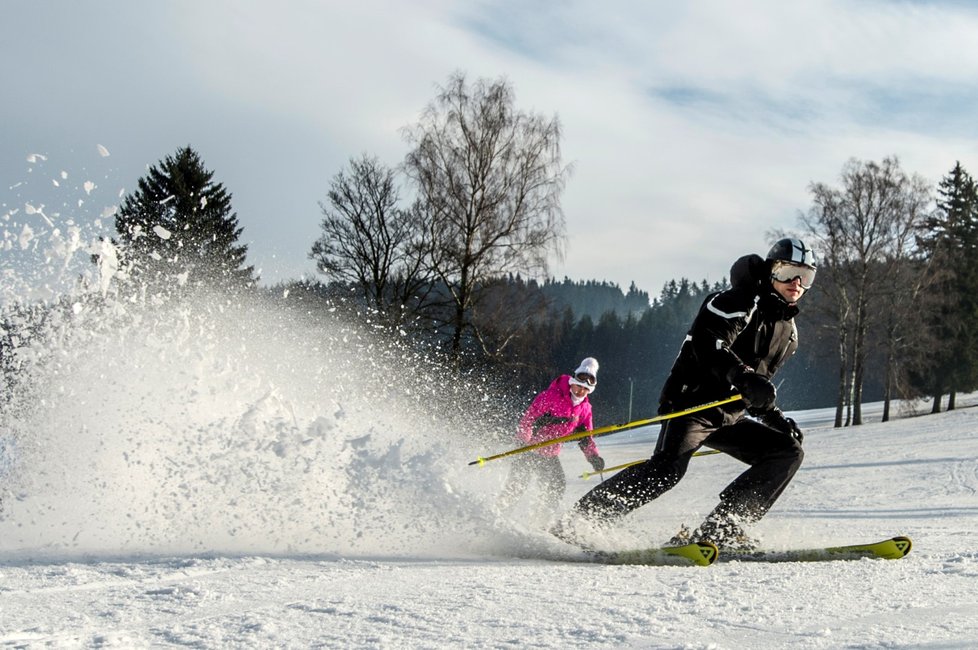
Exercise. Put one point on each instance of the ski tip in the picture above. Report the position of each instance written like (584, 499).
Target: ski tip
(903, 545)
(480, 461)
(709, 552)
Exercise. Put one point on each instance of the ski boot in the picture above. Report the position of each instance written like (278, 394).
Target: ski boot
(724, 533)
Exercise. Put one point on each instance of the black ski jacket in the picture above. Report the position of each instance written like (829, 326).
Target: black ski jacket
(748, 324)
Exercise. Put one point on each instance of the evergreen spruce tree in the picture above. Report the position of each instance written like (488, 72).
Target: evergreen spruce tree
(178, 227)
(950, 239)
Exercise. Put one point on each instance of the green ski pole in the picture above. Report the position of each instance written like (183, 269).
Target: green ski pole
(604, 431)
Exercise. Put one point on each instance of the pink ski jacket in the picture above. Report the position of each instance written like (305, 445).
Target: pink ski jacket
(555, 402)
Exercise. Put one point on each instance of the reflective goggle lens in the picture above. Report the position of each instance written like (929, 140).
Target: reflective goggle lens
(787, 272)
(585, 378)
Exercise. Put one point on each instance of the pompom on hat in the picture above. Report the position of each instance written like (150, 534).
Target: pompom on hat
(588, 367)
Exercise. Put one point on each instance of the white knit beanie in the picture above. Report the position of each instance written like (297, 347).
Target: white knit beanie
(588, 367)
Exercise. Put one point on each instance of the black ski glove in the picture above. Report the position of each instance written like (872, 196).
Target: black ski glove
(757, 392)
(597, 462)
(546, 420)
(778, 421)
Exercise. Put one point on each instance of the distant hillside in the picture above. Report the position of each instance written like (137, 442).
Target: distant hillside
(595, 298)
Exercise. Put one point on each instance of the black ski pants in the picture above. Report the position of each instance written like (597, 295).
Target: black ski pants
(773, 457)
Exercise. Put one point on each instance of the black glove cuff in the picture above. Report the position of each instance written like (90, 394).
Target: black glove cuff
(736, 374)
(764, 413)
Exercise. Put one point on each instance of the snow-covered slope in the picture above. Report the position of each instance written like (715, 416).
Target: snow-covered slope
(224, 474)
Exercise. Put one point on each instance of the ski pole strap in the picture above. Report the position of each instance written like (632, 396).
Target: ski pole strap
(604, 431)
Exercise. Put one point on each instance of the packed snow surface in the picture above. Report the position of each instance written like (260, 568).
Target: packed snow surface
(215, 477)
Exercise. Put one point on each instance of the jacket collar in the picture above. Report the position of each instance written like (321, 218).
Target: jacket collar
(772, 303)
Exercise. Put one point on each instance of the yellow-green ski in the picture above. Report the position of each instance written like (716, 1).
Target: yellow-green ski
(695, 554)
(888, 549)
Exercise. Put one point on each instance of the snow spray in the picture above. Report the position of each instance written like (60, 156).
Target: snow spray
(146, 424)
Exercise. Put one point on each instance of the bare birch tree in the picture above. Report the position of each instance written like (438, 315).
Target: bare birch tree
(863, 232)
(490, 178)
(371, 242)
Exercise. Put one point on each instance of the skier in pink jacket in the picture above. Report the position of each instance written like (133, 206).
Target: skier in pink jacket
(561, 409)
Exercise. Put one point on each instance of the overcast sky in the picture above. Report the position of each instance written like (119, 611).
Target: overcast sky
(694, 128)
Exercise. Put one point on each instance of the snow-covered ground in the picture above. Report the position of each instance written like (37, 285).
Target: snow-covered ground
(217, 473)
(214, 478)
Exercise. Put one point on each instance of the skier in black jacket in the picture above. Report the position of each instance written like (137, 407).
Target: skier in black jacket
(738, 340)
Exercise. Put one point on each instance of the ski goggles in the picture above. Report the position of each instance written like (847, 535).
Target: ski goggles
(788, 272)
(585, 378)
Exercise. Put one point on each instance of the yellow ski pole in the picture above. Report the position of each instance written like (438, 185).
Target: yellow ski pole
(604, 431)
(587, 475)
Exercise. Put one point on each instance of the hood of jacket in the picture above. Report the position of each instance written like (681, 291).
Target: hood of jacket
(749, 272)
(752, 273)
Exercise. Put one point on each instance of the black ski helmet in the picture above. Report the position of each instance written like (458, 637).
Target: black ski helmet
(793, 251)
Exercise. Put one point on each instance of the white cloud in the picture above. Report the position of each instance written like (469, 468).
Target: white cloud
(694, 128)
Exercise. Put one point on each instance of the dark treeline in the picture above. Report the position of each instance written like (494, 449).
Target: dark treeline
(448, 253)
(636, 350)
(595, 298)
